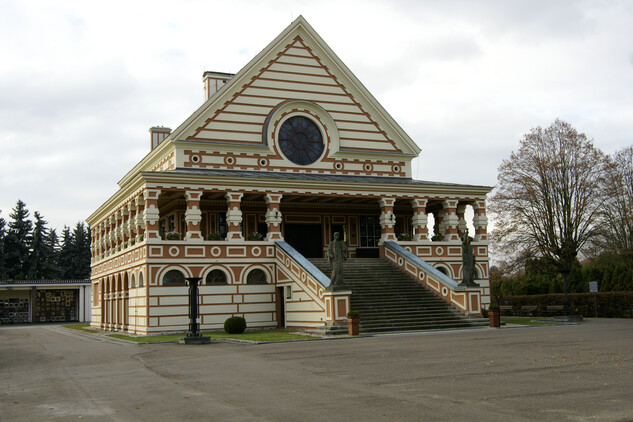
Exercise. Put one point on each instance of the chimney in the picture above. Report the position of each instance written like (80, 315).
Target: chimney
(213, 82)
(158, 135)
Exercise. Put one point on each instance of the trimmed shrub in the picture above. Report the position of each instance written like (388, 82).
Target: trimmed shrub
(235, 325)
(609, 304)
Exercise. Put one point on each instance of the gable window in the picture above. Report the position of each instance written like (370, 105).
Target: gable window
(300, 140)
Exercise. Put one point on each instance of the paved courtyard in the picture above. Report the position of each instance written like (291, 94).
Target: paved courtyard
(558, 373)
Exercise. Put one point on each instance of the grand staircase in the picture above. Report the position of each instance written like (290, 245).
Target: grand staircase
(390, 300)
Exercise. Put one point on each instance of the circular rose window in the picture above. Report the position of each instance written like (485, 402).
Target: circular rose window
(300, 140)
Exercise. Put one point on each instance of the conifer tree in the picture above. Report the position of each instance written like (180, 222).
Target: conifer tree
(16, 242)
(40, 249)
(81, 251)
(52, 262)
(65, 254)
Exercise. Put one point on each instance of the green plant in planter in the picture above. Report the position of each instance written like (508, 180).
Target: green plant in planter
(141, 238)
(235, 325)
(132, 242)
(255, 236)
(173, 235)
(353, 314)
(214, 236)
(437, 238)
(404, 236)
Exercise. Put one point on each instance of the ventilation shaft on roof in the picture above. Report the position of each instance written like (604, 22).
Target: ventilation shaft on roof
(158, 135)
(213, 81)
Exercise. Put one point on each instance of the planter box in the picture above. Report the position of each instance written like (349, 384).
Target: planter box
(494, 316)
(353, 326)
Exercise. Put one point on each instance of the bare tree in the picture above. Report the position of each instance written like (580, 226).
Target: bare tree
(616, 225)
(548, 195)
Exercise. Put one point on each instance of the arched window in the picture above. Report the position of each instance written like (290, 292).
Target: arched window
(140, 279)
(133, 281)
(442, 270)
(216, 277)
(256, 276)
(174, 278)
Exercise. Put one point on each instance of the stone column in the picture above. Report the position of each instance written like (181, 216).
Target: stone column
(125, 217)
(438, 226)
(387, 219)
(419, 220)
(100, 244)
(450, 220)
(140, 223)
(112, 237)
(118, 230)
(131, 221)
(94, 241)
(107, 302)
(151, 215)
(193, 216)
(480, 221)
(461, 225)
(273, 217)
(234, 216)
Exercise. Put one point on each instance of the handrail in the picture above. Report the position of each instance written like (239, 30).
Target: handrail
(318, 275)
(423, 265)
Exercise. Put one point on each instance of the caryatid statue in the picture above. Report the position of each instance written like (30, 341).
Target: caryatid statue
(336, 255)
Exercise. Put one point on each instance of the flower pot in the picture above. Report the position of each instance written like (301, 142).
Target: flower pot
(494, 317)
(353, 325)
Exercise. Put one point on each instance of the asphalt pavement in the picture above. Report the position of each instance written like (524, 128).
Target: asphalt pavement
(553, 373)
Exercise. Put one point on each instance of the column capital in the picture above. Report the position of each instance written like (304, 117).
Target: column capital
(273, 198)
(151, 194)
(419, 202)
(387, 202)
(234, 196)
(193, 195)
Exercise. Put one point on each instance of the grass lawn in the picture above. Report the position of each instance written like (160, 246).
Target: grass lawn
(80, 327)
(530, 321)
(255, 335)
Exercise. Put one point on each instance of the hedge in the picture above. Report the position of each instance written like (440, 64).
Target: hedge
(610, 304)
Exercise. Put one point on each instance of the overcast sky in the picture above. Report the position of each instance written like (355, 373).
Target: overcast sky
(81, 81)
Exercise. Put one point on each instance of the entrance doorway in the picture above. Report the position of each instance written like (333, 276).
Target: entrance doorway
(280, 305)
(305, 238)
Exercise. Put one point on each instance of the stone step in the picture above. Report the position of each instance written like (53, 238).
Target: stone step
(390, 300)
(455, 325)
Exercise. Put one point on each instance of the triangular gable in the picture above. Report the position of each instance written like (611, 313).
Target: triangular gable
(297, 65)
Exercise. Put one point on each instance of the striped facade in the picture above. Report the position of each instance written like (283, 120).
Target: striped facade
(193, 205)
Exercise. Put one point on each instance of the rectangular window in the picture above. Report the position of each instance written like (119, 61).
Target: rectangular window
(222, 227)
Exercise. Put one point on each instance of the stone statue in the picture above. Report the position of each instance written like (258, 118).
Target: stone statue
(336, 255)
(468, 262)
